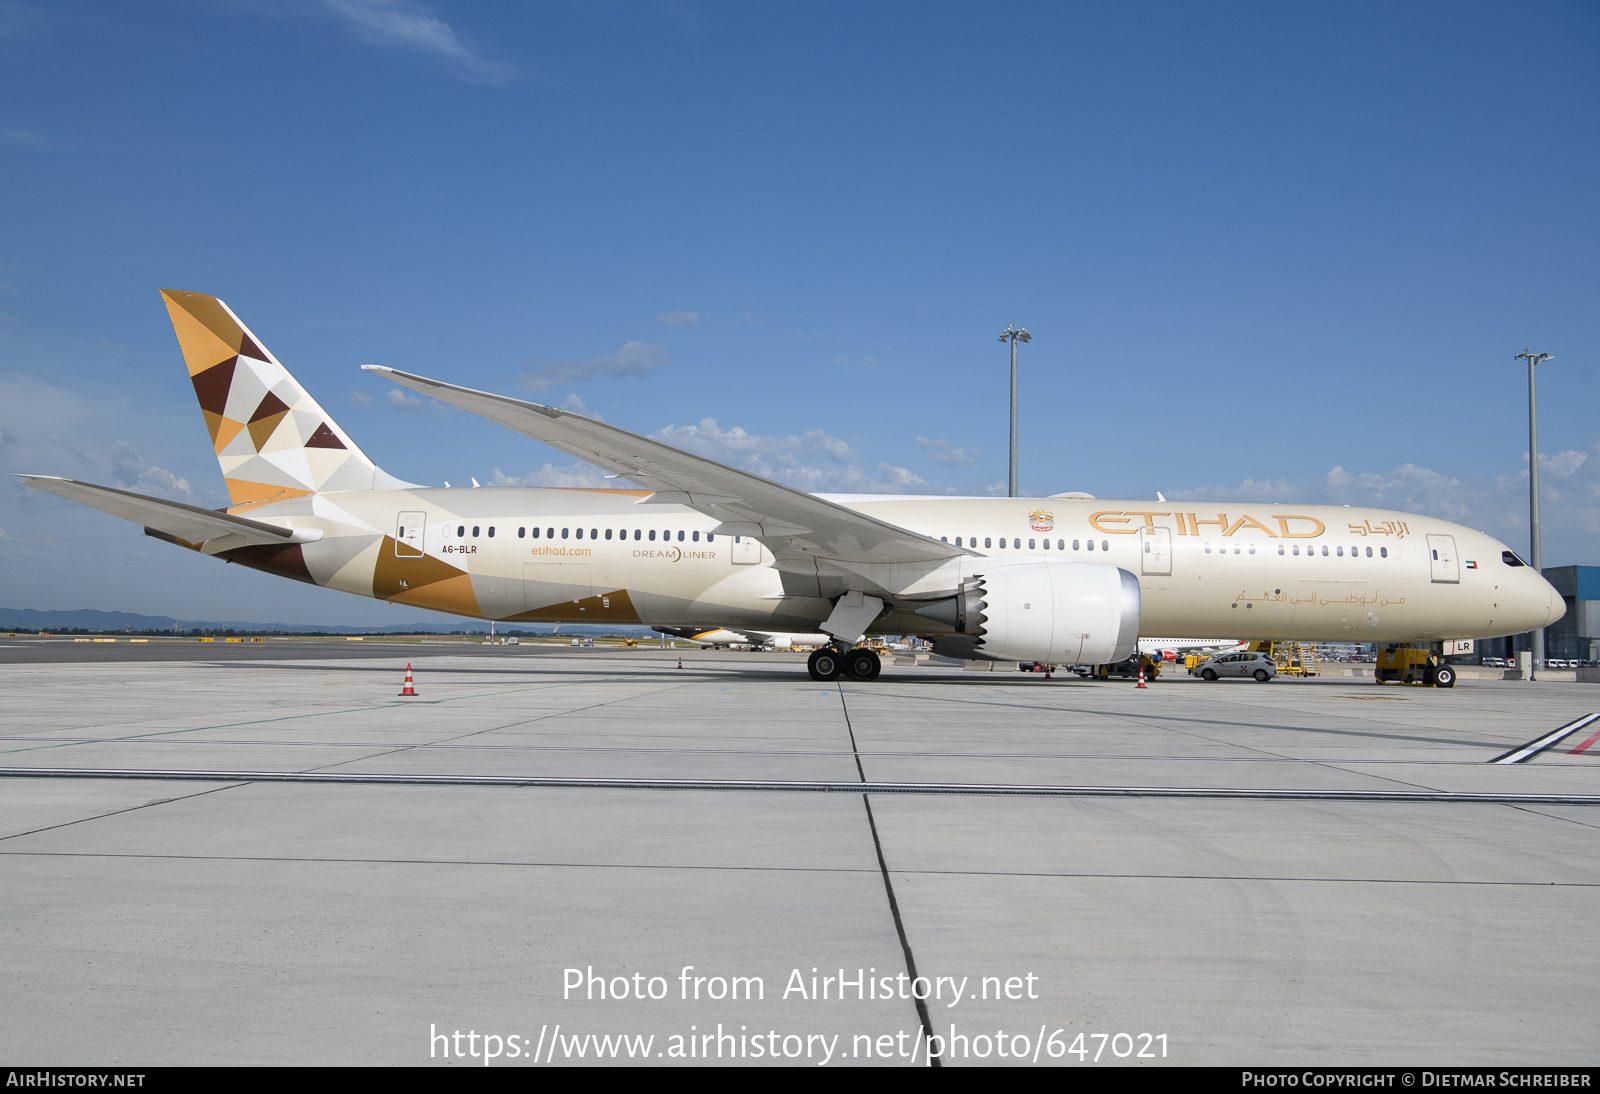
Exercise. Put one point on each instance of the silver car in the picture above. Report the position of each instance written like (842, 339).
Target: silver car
(1257, 665)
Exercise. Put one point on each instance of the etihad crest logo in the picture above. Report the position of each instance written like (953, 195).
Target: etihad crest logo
(1041, 521)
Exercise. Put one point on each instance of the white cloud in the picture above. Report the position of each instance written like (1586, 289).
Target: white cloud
(568, 475)
(133, 473)
(578, 406)
(401, 401)
(632, 359)
(812, 461)
(1569, 498)
(361, 398)
(679, 318)
(945, 452)
(409, 25)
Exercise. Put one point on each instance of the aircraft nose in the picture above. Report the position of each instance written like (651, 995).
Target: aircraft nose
(1538, 602)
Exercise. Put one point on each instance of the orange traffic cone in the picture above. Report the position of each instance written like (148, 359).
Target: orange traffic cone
(1141, 676)
(680, 660)
(408, 689)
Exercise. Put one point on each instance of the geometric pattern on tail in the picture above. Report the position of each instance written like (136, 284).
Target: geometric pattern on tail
(272, 439)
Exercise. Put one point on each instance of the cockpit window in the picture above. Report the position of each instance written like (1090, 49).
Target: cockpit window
(1510, 559)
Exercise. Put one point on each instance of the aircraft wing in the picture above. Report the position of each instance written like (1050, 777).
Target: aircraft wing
(186, 522)
(746, 504)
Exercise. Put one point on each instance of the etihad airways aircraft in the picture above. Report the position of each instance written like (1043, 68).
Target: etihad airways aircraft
(696, 543)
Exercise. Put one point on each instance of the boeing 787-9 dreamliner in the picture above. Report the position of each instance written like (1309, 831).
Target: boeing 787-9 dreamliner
(695, 543)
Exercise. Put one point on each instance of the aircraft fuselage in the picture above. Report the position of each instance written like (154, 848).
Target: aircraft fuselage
(588, 556)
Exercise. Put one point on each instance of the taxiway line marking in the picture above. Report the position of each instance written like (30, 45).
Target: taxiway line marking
(1523, 753)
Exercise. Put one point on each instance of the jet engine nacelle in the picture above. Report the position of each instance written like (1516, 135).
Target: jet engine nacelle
(1052, 610)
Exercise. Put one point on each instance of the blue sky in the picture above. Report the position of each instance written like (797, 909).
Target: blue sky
(1267, 252)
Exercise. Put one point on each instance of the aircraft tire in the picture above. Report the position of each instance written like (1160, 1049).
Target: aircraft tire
(862, 664)
(824, 665)
(1444, 677)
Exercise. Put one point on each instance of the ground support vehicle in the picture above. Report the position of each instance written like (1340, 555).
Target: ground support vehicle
(1420, 665)
(1291, 658)
(1129, 669)
(1248, 663)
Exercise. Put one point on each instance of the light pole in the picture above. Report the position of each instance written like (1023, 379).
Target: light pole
(1537, 652)
(1014, 334)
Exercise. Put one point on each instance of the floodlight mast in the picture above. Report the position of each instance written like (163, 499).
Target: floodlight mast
(1537, 643)
(1014, 334)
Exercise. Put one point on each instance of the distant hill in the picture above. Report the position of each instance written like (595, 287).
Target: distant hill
(30, 619)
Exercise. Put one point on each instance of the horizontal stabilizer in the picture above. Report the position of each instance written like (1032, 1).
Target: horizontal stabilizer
(186, 522)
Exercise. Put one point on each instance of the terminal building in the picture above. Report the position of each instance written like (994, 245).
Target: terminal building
(1576, 635)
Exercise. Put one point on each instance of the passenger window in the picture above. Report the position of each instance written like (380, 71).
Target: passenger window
(1061, 544)
(1340, 550)
(522, 533)
(1280, 548)
(549, 533)
(637, 532)
(580, 533)
(475, 532)
(652, 534)
(710, 536)
(697, 537)
(608, 533)
(1105, 545)
(1369, 552)
(680, 537)
(1208, 548)
(461, 530)
(1017, 543)
(986, 541)
(1324, 550)
(1297, 548)
(536, 533)
(491, 531)
(594, 533)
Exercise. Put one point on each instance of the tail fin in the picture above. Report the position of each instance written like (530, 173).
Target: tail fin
(272, 439)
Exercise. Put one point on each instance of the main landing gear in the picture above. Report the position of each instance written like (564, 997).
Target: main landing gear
(829, 663)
